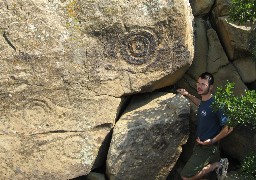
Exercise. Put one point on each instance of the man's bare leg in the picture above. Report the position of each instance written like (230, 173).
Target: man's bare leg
(206, 170)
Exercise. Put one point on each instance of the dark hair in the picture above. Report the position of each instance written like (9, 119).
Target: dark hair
(208, 76)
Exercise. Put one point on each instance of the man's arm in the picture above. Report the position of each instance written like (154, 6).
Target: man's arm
(223, 133)
(194, 99)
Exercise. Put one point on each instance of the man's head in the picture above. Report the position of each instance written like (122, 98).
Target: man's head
(205, 83)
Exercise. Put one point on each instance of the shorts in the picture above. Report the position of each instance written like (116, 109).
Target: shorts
(201, 157)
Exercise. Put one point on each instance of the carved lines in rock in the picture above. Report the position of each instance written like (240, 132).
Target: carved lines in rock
(138, 45)
(37, 104)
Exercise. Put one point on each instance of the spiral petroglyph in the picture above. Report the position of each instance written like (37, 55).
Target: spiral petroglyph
(139, 46)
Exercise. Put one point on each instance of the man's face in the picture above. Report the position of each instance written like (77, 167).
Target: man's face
(203, 87)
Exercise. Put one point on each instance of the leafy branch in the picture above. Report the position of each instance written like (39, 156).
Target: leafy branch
(239, 109)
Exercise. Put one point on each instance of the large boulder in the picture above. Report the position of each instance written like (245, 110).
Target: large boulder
(201, 49)
(246, 67)
(238, 39)
(113, 44)
(240, 143)
(222, 8)
(202, 7)
(235, 38)
(147, 139)
(227, 74)
(65, 66)
(46, 135)
(217, 57)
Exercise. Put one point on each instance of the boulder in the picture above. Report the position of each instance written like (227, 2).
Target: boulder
(235, 38)
(216, 55)
(49, 155)
(226, 74)
(46, 135)
(201, 49)
(112, 45)
(240, 143)
(65, 67)
(246, 67)
(147, 139)
(202, 7)
(222, 7)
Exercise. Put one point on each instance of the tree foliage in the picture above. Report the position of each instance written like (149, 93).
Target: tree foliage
(239, 109)
(243, 11)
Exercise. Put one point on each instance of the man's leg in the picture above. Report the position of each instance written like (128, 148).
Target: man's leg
(206, 170)
(201, 162)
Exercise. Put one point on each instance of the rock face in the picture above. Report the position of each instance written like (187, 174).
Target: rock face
(201, 7)
(147, 139)
(241, 143)
(65, 66)
(234, 37)
(111, 44)
(246, 67)
(201, 48)
(216, 54)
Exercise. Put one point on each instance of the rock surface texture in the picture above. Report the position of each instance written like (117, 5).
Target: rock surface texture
(69, 68)
(147, 139)
(65, 67)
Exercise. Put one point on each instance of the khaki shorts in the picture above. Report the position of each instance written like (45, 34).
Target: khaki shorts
(201, 157)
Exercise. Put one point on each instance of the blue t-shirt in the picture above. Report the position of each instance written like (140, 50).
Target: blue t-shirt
(210, 122)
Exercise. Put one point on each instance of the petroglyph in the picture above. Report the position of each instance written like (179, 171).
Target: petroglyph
(139, 45)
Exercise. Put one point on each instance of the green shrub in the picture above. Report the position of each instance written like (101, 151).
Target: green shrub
(243, 11)
(248, 168)
(239, 109)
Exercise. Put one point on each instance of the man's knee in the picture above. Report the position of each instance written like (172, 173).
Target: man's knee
(184, 178)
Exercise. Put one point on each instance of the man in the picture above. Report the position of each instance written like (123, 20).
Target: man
(211, 129)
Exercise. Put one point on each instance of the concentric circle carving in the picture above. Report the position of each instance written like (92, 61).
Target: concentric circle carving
(138, 46)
